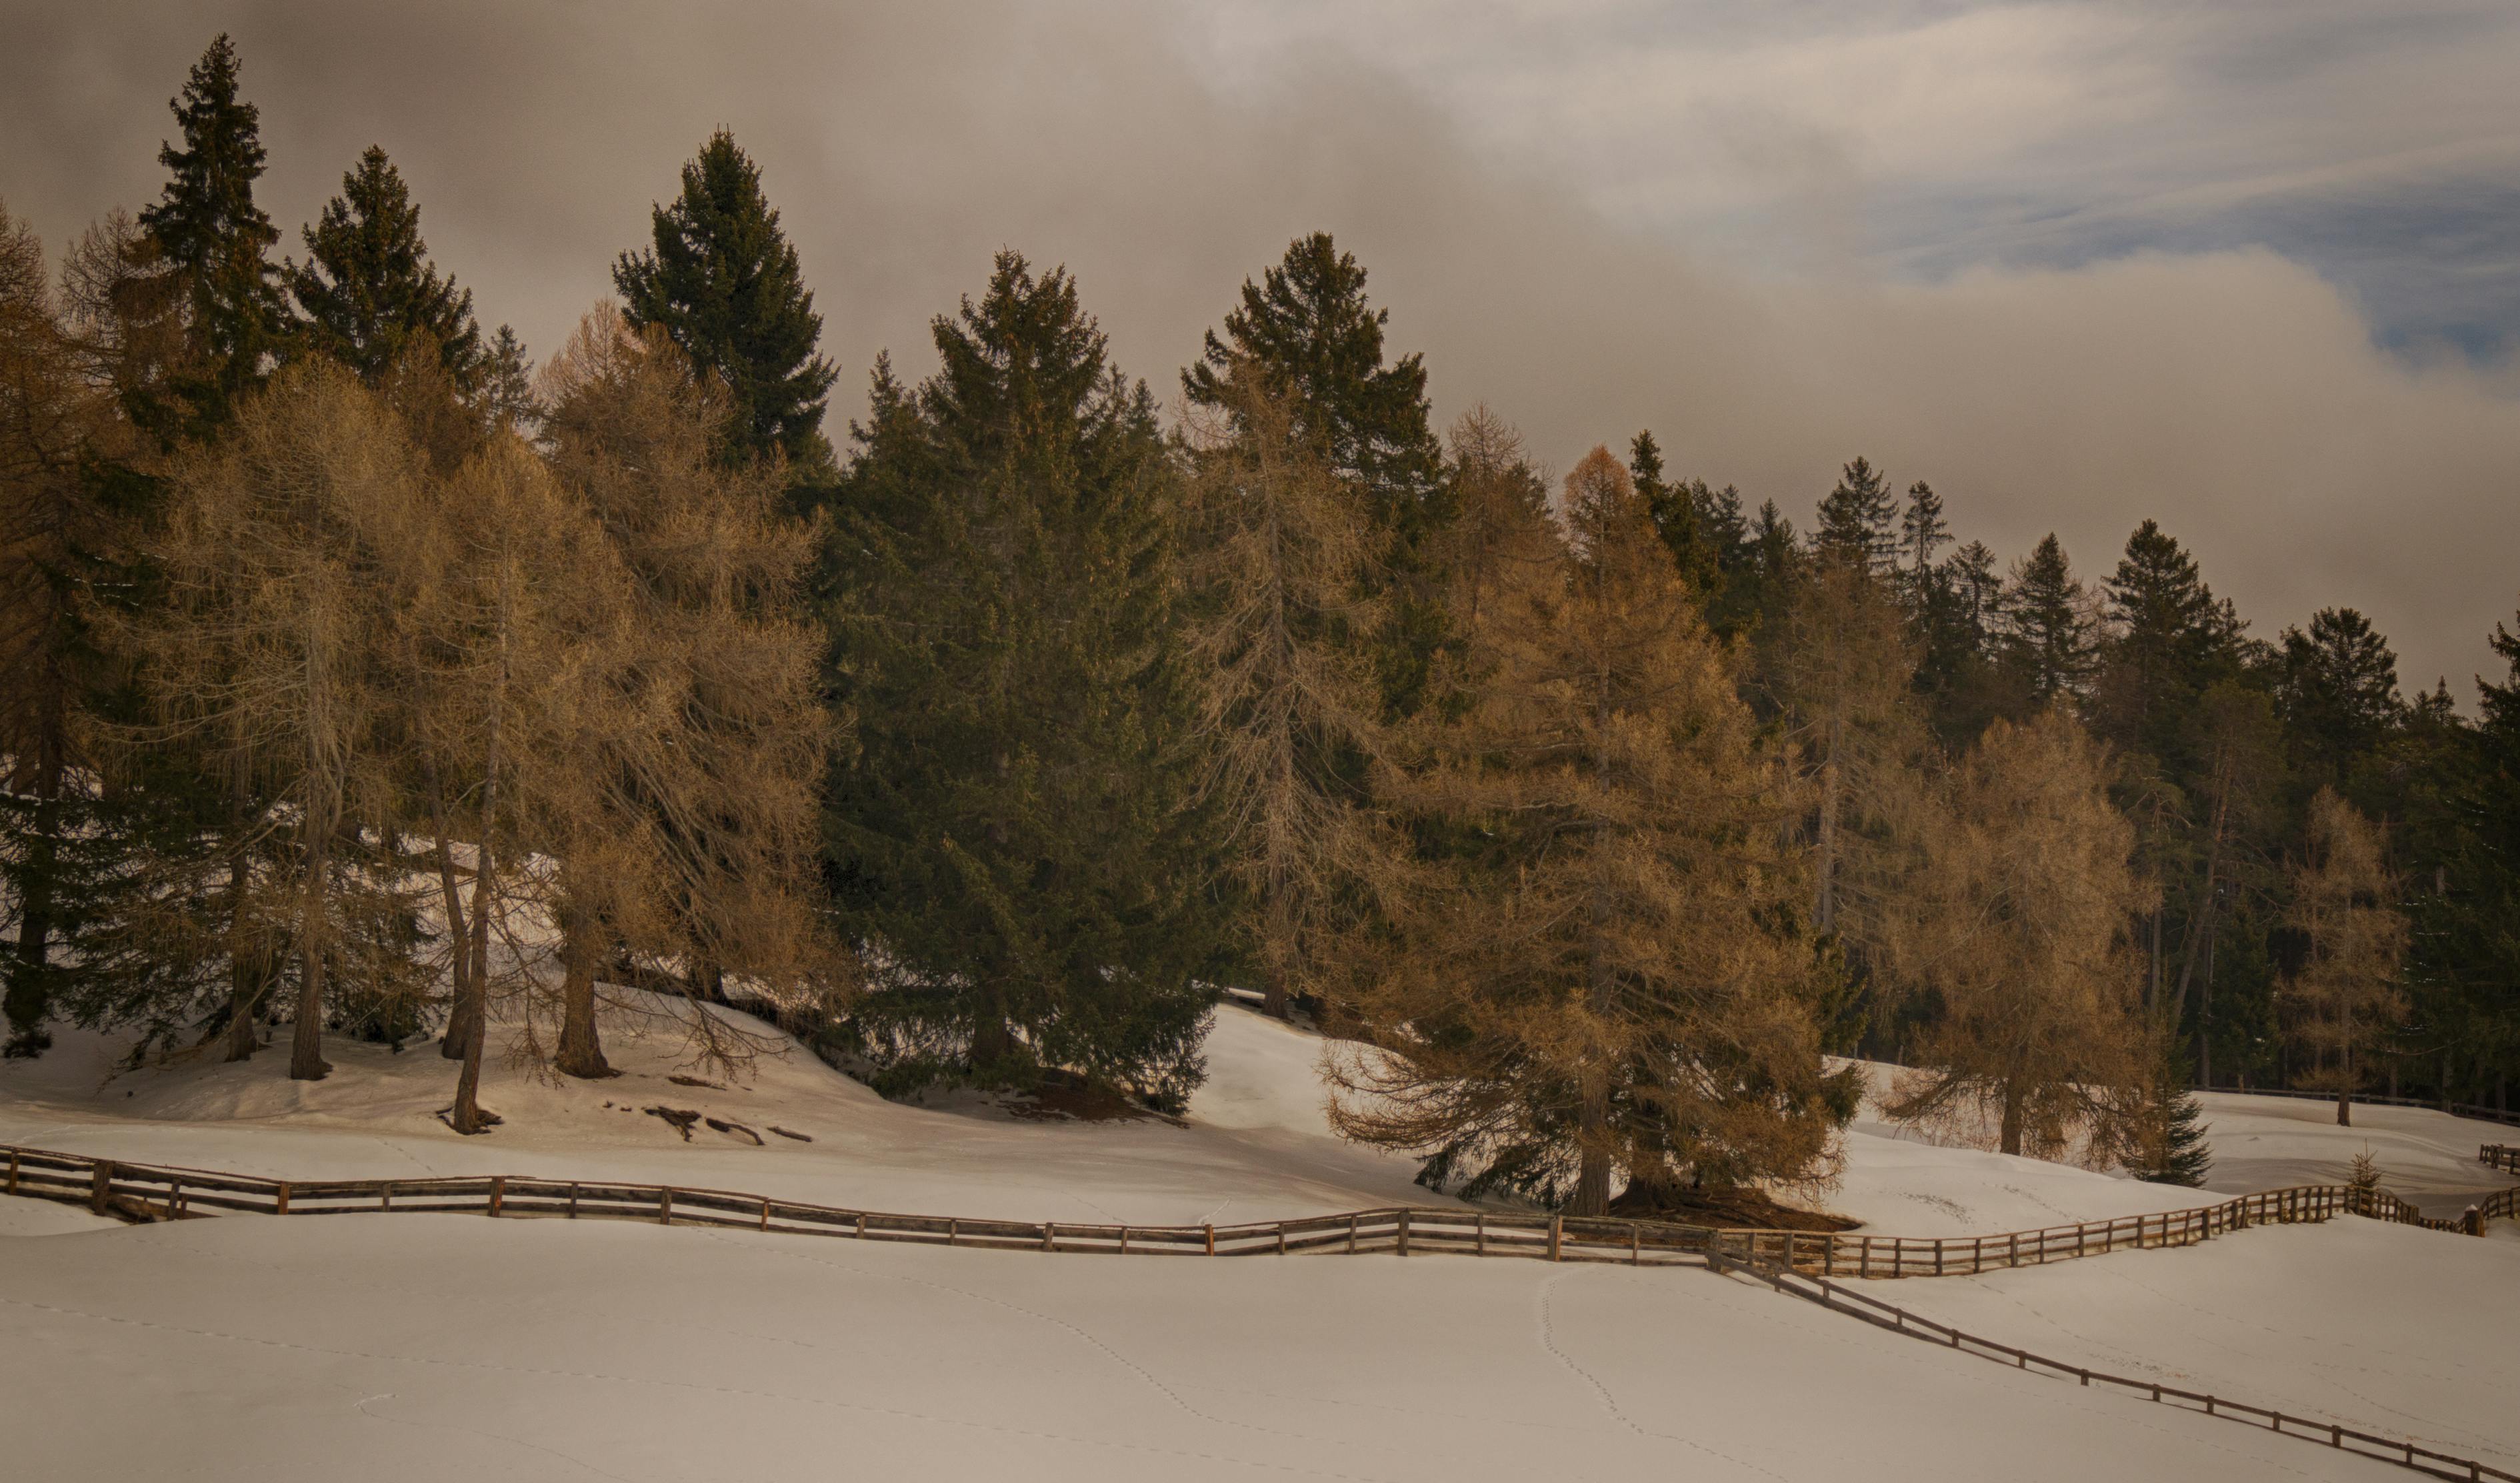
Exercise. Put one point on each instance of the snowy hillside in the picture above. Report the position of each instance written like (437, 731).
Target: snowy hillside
(428, 1346)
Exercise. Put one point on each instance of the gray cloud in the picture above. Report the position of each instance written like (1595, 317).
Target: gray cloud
(1165, 155)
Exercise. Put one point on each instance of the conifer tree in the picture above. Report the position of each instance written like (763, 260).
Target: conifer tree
(2464, 951)
(2345, 994)
(709, 758)
(1309, 329)
(1289, 712)
(53, 419)
(264, 653)
(1844, 669)
(508, 383)
(368, 289)
(2050, 627)
(1011, 834)
(2170, 638)
(1923, 531)
(2170, 1148)
(2338, 694)
(2018, 927)
(210, 236)
(722, 279)
(1678, 515)
(1601, 977)
(1858, 520)
(1503, 534)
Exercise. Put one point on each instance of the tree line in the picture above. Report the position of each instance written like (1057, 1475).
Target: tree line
(364, 680)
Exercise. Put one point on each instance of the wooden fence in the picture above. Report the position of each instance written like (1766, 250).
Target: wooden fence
(1797, 1263)
(2499, 1156)
(146, 1191)
(1872, 1310)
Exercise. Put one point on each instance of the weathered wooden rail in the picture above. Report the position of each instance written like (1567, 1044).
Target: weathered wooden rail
(1873, 1310)
(2499, 1156)
(148, 1191)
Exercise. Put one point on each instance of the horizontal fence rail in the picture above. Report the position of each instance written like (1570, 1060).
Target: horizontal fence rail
(146, 1191)
(1872, 1310)
(1802, 1264)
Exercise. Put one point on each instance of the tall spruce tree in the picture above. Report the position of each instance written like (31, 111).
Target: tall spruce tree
(1307, 328)
(2170, 639)
(207, 232)
(1011, 834)
(723, 280)
(2049, 626)
(367, 289)
(1858, 520)
(2338, 691)
(52, 421)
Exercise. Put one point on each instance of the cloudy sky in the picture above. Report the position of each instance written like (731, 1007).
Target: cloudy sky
(2250, 268)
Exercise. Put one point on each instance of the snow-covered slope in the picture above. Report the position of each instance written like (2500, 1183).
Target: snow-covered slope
(416, 1347)
(1263, 1154)
(425, 1347)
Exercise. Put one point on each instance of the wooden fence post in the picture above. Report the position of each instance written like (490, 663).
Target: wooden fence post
(765, 1212)
(100, 1188)
(13, 1171)
(498, 1193)
(1557, 1226)
(280, 1201)
(1210, 1229)
(1404, 1231)
(666, 1207)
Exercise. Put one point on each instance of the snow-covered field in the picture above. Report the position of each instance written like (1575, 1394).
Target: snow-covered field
(412, 1346)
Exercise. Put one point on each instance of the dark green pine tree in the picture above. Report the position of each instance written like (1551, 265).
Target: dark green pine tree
(722, 280)
(2463, 963)
(2337, 690)
(1923, 531)
(1012, 834)
(2049, 637)
(2174, 1151)
(507, 383)
(1858, 520)
(368, 289)
(210, 235)
(1309, 327)
(2171, 638)
(1680, 519)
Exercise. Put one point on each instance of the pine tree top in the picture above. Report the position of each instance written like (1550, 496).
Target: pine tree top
(367, 287)
(723, 280)
(1859, 519)
(1307, 324)
(208, 201)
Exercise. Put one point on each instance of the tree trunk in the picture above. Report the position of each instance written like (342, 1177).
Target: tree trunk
(2011, 1136)
(1278, 949)
(307, 1060)
(1825, 858)
(581, 1048)
(992, 1040)
(1592, 1195)
(472, 1012)
(29, 1002)
(459, 956)
(249, 977)
(2344, 1107)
